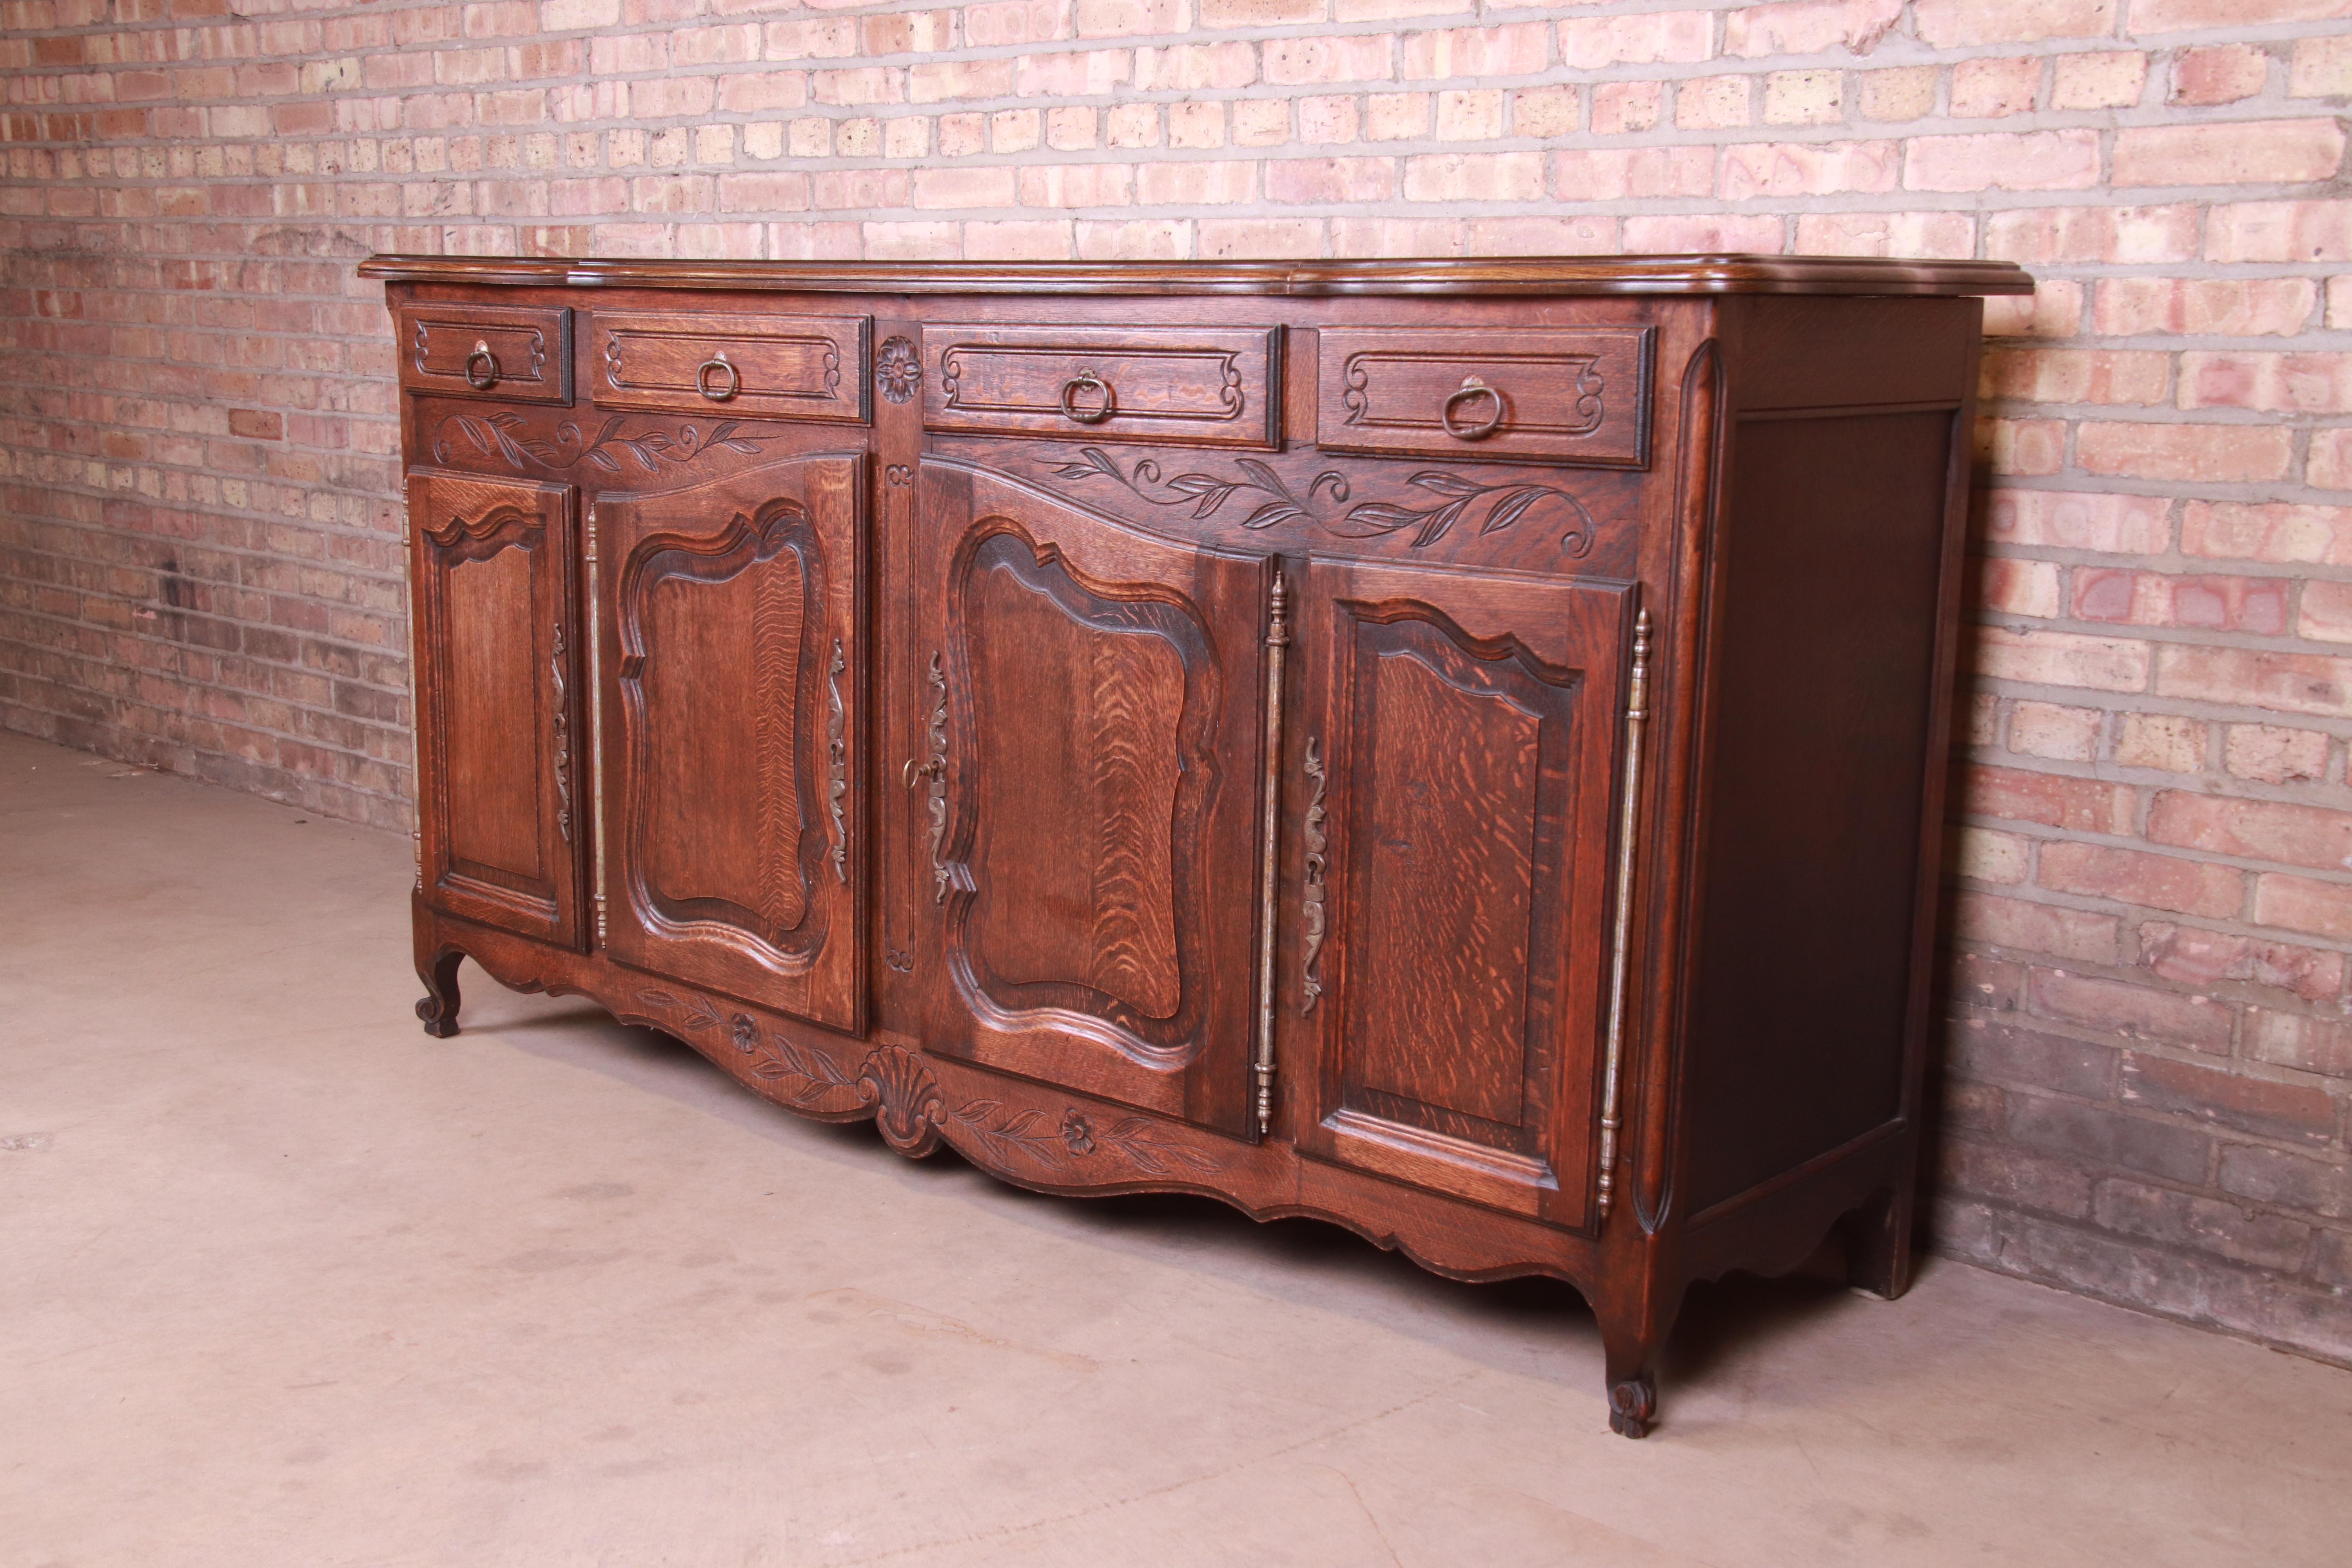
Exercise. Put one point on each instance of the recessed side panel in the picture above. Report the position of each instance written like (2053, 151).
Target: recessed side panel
(1819, 750)
(1464, 742)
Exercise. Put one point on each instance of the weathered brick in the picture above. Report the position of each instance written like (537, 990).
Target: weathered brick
(2136, 1012)
(2304, 904)
(2287, 1180)
(2291, 1113)
(2202, 958)
(2079, 934)
(2267, 753)
(2156, 881)
(2184, 1219)
(1947, 24)
(2099, 1135)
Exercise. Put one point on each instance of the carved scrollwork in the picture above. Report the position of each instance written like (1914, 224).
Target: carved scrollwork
(503, 436)
(1497, 507)
(836, 752)
(897, 370)
(1311, 900)
(562, 738)
(941, 876)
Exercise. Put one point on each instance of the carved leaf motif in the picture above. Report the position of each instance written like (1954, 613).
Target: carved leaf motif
(568, 448)
(1207, 493)
(1015, 1134)
(1139, 1139)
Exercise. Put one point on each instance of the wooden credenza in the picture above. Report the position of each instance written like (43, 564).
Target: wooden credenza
(1451, 748)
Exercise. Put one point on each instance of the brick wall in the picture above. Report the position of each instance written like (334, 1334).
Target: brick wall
(2150, 1057)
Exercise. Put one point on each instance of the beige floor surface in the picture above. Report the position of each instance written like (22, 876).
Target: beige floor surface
(282, 1281)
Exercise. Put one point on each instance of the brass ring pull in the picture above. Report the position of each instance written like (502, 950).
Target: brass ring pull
(1471, 387)
(1088, 380)
(702, 378)
(489, 376)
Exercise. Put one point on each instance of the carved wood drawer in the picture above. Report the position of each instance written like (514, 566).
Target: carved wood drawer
(1178, 385)
(1560, 396)
(756, 366)
(516, 354)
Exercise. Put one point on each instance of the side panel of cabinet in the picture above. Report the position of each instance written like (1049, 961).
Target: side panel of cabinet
(732, 712)
(1458, 802)
(497, 714)
(1092, 786)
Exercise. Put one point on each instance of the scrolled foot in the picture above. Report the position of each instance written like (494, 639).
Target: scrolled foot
(1633, 1405)
(437, 1008)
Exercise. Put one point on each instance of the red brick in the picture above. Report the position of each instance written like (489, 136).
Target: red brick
(2251, 678)
(1952, 24)
(2219, 73)
(2155, 599)
(2279, 531)
(2132, 877)
(2077, 934)
(2185, 1219)
(2204, 454)
(2136, 1012)
(1808, 26)
(2074, 520)
(2258, 829)
(2181, 16)
(2289, 1113)
(2062, 659)
(2057, 1186)
(2279, 231)
(2299, 1041)
(2188, 956)
(2304, 904)
(2267, 306)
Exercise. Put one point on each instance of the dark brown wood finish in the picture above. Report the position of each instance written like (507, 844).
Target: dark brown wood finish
(1247, 691)
(732, 725)
(500, 758)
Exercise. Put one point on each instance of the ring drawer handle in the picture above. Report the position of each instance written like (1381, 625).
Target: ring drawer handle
(702, 378)
(1471, 387)
(489, 376)
(1088, 380)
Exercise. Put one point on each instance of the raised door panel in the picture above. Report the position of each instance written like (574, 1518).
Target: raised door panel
(497, 709)
(732, 714)
(1458, 830)
(1092, 789)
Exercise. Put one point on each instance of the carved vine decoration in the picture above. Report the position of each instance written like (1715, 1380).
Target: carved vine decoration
(562, 738)
(1499, 506)
(908, 1104)
(502, 435)
(837, 749)
(775, 1059)
(941, 876)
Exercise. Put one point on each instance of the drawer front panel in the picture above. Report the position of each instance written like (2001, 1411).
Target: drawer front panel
(515, 354)
(757, 367)
(1173, 385)
(1573, 396)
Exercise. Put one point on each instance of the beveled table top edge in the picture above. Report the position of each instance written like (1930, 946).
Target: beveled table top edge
(1717, 274)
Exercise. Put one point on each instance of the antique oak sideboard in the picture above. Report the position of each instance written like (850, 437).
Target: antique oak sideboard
(1451, 748)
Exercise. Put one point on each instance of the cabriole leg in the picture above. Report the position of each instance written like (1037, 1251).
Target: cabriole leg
(438, 1006)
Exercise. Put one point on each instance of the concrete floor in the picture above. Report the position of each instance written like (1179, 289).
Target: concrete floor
(282, 1281)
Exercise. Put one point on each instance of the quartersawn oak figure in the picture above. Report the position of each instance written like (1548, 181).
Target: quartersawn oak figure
(1452, 748)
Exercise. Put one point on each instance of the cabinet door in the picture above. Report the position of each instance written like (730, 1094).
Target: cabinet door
(1094, 721)
(1457, 778)
(732, 719)
(500, 820)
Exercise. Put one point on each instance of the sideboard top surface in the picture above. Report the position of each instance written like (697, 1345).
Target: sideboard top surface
(1441, 276)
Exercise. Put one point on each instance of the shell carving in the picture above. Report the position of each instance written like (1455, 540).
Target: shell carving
(906, 1097)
